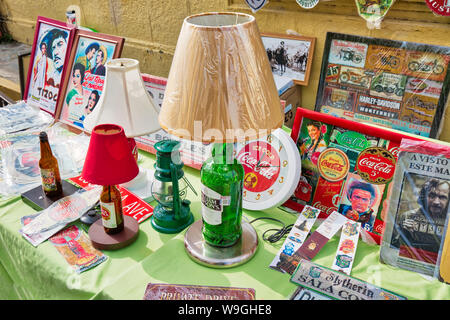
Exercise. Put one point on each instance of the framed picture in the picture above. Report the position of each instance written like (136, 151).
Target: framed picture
(83, 82)
(47, 66)
(346, 166)
(289, 56)
(395, 84)
(193, 153)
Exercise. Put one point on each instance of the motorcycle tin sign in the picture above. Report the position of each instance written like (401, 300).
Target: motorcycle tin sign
(347, 53)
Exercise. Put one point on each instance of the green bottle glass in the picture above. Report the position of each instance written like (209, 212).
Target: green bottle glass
(222, 178)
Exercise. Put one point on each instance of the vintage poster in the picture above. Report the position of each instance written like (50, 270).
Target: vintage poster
(344, 171)
(47, 65)
(418, 207)
(394, 84)
(348, 53)
(86, 79)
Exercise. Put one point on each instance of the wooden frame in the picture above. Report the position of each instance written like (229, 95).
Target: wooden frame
(391, 142)
(71, 107)
(300, 52)
(395, 84)
(45, 76)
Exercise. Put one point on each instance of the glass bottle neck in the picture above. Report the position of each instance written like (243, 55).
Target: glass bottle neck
(222, 153)
(46, 151)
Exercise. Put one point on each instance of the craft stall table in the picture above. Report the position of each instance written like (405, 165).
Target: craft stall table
(27, 272)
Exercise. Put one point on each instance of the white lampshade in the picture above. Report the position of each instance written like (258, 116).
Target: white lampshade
(125, 101)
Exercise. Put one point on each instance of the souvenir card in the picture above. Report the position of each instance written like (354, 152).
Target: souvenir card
(418, 207)
(59, 214)
(77, 249)
(337, 285)
(165, 291)
(346, 167)
(346, 251)
(296, 236)
(394, 84)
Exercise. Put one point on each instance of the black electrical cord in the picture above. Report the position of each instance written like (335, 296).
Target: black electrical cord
(277, 233)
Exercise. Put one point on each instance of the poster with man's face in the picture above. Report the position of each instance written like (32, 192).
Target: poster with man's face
(47, 67)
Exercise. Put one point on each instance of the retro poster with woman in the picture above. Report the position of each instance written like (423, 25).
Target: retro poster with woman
(86, 76)
(50, 49)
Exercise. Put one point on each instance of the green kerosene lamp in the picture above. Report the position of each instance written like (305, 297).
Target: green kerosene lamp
(172, 214)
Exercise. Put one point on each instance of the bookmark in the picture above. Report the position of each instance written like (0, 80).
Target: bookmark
(346, 251)
(296, 236)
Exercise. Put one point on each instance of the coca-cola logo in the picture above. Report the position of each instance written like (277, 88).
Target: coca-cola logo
(376, 165)
(333, 164)
(261, 164)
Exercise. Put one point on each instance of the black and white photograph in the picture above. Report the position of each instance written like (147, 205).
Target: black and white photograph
(290, 56)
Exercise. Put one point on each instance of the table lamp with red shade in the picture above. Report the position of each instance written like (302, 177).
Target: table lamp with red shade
(109, 161)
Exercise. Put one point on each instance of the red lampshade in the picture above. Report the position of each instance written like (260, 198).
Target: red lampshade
(109, 160)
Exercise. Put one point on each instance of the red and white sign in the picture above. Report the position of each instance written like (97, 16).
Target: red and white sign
(439, 7)
(261, 164)
(132, 205)
(376, 165)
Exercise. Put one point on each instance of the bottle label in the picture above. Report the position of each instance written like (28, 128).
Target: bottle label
(48, 180)
(212, 206)
(108, 214)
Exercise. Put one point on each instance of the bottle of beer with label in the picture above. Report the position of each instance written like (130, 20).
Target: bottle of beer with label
(111, 206)
(48, 165)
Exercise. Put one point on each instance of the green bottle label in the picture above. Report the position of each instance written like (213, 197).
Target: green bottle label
(211, 206)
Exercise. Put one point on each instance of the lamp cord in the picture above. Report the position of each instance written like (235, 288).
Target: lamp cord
(278, 233)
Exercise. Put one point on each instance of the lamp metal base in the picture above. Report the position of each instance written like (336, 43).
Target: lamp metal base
(218, 257)
(103, 241)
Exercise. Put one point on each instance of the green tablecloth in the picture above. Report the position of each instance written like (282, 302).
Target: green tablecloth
(27, 272)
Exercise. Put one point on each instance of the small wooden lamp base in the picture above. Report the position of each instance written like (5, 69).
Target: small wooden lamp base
(103, 241)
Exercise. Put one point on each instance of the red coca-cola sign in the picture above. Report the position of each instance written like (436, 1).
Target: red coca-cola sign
(440, 7)
(376, 165)
(261, 164)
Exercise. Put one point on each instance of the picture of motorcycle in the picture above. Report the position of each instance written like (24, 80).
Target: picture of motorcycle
(384, 60)
(431, 66)
(354, 78)
(389, 88)
(350, 55)
(415, 101)
(415, 120)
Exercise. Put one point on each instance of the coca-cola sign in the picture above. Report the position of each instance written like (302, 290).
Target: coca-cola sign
(376, 165)
(261, 164)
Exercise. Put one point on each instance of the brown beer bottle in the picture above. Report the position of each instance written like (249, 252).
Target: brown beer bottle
(111, 206)
(48, 165)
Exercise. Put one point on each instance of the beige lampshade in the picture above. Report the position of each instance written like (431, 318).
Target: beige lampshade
(220, 86)
(125, 101)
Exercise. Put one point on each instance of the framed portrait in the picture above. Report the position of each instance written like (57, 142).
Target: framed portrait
(85, 76)
(394, 84)
(47, 66)
(289, 56)
(346, 166)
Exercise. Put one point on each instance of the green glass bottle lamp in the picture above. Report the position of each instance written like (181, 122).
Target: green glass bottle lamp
(172, 214)
(222, 178)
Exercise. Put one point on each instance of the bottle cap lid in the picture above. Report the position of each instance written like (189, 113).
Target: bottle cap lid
(43, 135)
